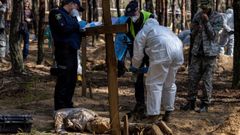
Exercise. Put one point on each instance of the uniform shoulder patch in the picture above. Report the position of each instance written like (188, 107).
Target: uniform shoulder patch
(58, 16)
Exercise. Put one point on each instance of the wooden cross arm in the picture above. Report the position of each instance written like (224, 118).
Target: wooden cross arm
(106, 29)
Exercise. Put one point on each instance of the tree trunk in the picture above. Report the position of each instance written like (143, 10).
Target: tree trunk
(84, 14)
(173, 16)
(35, 6)
(95, 10)
(15, 40)
(118, 8)
(89, 10)
(183, 14)
(140, 4)
(166, 13)
(41, 31)
(149, 6)
(227, 4)
(217, 5)
(163, 11)
(158, 11)
(236, 60)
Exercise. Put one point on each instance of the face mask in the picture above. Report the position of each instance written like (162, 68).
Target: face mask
(134, 18)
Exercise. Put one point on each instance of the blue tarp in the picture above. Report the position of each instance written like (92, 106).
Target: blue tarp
(121, 40)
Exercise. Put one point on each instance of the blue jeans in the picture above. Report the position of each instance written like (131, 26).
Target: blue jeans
(26, 44)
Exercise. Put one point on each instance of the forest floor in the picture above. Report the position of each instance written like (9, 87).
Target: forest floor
(33, 94)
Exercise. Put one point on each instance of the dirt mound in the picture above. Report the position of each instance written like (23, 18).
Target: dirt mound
(231, 126)
(224, 64)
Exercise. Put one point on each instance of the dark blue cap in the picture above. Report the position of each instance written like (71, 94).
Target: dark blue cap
(80, 8)
(131, 8)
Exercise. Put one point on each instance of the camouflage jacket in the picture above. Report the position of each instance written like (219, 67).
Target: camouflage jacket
(206, 34)
(3, 9)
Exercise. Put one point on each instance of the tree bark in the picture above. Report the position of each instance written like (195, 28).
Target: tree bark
(183, 14)
(89, 10)
(166, 13)
(15, 40)
(118, 8)
(158, 11)
(163, 11)
(217, 5)
(173, 16)
(41, 31)
(35, 9)
(236, 60)
(149, 6)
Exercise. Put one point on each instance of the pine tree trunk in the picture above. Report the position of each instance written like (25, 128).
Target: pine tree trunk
(95, 10)
(217, 5)
(173, 16)
(227, 4)
(35, 9)
(84, 14)
(183, 14)
(118, 8)
(158, 11)
(41, 31)
(15, 38)
(149, 6)
(236, 60)
(89, 10)
(163, 11)
(166, 13)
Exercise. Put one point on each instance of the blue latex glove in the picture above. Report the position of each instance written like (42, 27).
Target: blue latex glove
(92, 24)
(82, 24)
(133, 69)
(138, 70)
(143, 70)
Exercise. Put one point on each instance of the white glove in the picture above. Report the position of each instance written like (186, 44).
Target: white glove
(76, 14)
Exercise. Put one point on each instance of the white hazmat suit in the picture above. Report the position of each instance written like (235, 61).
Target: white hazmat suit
(227, 36)
(165, 51)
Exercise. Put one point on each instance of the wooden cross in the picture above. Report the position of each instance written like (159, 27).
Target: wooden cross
(108, 29)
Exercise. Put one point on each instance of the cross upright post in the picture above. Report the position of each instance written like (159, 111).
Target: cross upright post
(108, 29)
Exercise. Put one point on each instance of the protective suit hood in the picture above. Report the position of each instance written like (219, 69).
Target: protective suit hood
(151, 22)
(229, 11)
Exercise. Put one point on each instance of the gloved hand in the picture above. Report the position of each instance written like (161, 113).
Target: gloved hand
(75, 13)
(143, 70)
(133, 69)
(82, 24)
(231, 32)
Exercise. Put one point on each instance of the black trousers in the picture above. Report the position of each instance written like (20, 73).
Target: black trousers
(66, 80)
(139, 84)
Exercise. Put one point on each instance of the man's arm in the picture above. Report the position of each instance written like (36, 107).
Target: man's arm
(138, 49)
(212, 29)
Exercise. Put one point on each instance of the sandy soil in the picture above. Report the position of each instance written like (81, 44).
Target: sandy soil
(33, 94)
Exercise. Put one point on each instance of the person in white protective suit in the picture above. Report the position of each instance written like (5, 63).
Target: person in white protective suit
(165, 51)
(227, 35)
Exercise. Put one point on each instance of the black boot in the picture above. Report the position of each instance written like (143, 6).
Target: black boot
(166, 116)
(203, 107)
(189, 106)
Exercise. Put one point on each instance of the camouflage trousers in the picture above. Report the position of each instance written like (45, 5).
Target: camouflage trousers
(201, 68)
(2, 43)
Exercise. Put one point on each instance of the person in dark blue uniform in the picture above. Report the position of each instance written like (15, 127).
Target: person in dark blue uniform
(66, 35)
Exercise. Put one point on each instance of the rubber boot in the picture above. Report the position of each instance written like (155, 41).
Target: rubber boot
(203, 107)
(189, 106)
(166, 116)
